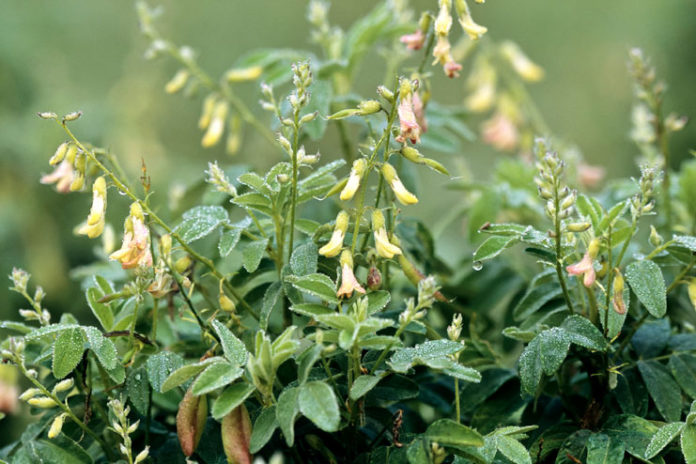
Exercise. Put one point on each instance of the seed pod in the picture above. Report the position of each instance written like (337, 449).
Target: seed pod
(374, 279)
(190, 421)
(236, 434)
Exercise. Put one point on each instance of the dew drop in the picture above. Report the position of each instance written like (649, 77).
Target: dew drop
(122, 193)
(478, 265)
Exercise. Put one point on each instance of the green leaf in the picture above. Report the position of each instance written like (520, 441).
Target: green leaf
(377, 301)
(530, 366)
(447, 432)
(318, 403)
(273, 295)
(60, 449)
(311, 310)
(306, 361)
(160, 366)
(233, 396)
(603, 450)
(513, 450)
(263, 429)
(485, 209)
(102, 347)
(252, 254)
(582, 332)
(662, 388)
(304, 259)
(417, 452)
(229, 240)
(138, 389)
(187, 372)
(404, 358)
(553, 349)
(468, 374)
(200, 221)
(233, 347)
(287, 411)
(535, 298)
(688, 443)
(493, 246)
(683, 369)
(67, 352)
(647, 282)
(363, 385)
(318, 285)
(255, 201)
(101, 311)
(663, 437)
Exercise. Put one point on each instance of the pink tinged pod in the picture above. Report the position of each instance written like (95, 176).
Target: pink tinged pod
(190, 421)
(236, 435)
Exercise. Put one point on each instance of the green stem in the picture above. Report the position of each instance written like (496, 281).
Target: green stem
(129, 193)
(386, 350)
(456, 401)
(293, 201)
(681, 275)
(559, 251)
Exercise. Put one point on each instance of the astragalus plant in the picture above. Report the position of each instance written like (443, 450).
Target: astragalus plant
(301, 315)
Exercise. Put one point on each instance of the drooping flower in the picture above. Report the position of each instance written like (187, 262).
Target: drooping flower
(384, 247)
(94, 226)
(585, 266)
(452, 68)
(403, 195)
(526, 68)
(349, 283)
(482, 83)
(333, 247)
(419, 111)
(356, 173)
(473, 30)
(617, 293)
(413, 41)
(135, 249)
(500, 132)
(63, 176)
(409, 128)
(216, 126)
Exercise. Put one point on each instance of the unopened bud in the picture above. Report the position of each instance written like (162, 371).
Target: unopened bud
(28, 394)
(578, 226)
(47, 115)
(177, 82)
(72, 116)
(56, 426)
(369, 107)
(59, 155)
(142, 455)
(63, 385)
(307, 118)
(43, 402)
(226, 304)
(243, 74)
(655, 238)
(386, 93)
(182, 264)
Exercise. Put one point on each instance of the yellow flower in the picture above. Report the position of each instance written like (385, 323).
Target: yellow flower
(63, 176)
(349, 283)
(243, 74)
(354, 178)
(403, 195)
(473, 30)
(333, 247)
(384, 247)
(94, 226)
(522, 65)
(178, 81)
(135, 249)
(216, 126)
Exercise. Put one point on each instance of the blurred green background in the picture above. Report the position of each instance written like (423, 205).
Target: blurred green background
(69, 55)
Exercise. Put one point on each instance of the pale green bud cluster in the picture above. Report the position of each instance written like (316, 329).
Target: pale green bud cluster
(122, 426)
(643, 203)
(218, 178)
